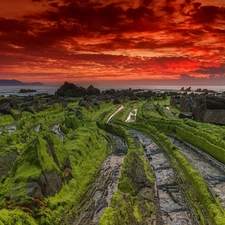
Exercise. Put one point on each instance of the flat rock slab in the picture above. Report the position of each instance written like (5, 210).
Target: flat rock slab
(172, 203)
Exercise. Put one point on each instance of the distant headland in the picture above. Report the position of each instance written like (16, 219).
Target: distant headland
(18, 83)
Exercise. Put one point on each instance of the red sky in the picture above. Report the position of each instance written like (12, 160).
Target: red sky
(110, 40)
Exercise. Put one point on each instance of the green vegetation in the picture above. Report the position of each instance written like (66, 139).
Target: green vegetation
(127, 206)
(83, 145)
(204, 136)
(15, 217)
(6, 120)
(188, 175)
(77, 158)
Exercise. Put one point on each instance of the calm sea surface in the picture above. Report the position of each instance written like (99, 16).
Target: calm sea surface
(13, 90)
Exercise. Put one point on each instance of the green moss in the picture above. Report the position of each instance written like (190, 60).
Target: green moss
(201, 190)
(86, 158)
(108, 217)
(126, 206)
(6, 120)
(150, 206)
(15, 217)
(125, 185)
(137, 214)
(147, 170)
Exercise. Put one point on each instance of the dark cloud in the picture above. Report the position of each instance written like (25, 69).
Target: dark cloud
(188, 1)
(168, 1)
(207, 14)
(12, 25)
(212, 70)
(54, 5)
(185, 36)
(197, 4)
(169, 9)
(147, 2)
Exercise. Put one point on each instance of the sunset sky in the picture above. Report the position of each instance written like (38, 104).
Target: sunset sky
(139, 41)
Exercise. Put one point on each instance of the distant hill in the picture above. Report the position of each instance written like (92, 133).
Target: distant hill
(18, 83)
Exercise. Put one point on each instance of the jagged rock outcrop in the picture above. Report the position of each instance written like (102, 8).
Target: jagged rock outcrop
(92, 90)
(48, 179)
(6, 109)
(204, 108)
(174, 101)
(72, 90)
(48, 184)
(188, 89)
(187, 103)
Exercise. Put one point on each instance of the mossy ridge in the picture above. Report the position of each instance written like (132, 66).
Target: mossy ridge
(16, 217)
(211, 204)
(127, 206)
(31, 163)
(86, 159)
(6, 120)
(25, 135)
(211, 138)
(17, 140)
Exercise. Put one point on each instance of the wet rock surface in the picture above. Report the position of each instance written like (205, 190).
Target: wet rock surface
(173, 206)
(102, 189)
(56, 130)
(10, 129)
(211, 170)
(132, 116)
(37, 128)
(6, 163)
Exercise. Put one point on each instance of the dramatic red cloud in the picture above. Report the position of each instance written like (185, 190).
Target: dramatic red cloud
(98, 40)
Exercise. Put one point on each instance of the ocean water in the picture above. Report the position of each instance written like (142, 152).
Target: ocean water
(178, 88)
(13, 90)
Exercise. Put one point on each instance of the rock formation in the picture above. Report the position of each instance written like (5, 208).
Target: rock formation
(72, 90)
(205, 108)
(26, 91)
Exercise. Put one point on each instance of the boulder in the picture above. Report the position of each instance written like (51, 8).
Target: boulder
(215, 102)
(204, 108)
(71, 90)
(215, 116)
(48, 184)
(188, 89)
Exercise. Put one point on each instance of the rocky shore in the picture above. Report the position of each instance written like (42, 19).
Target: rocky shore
(70, 158)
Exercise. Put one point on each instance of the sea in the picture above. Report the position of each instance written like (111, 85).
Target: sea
(14, 90)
